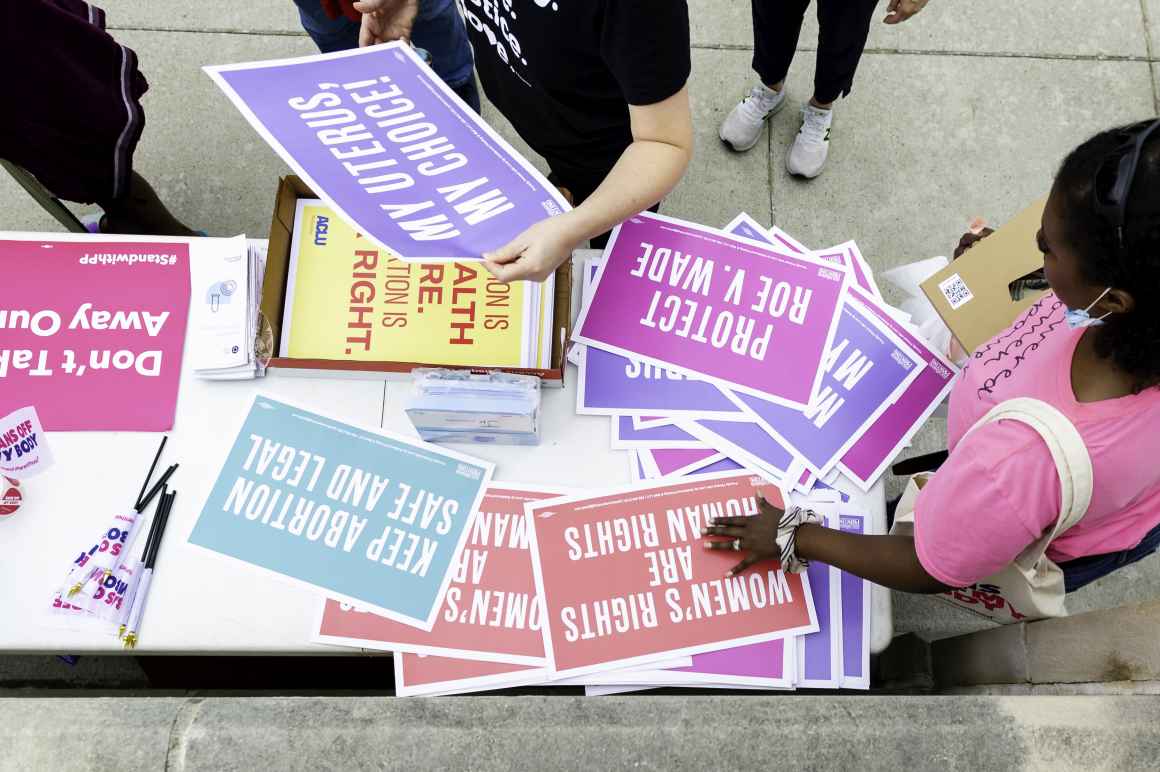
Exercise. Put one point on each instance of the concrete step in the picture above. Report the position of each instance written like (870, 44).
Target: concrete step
(308, 733)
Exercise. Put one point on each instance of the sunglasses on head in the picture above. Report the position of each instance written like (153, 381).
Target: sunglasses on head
(1123, 161)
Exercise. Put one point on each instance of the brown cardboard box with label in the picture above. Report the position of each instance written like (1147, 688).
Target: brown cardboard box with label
(971, 294)
(290, 189)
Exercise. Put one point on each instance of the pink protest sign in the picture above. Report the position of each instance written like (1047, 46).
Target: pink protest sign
(626, 579)
(92, 332)
(490, 612)
(417, 675)
(724, 308)
(868, 458)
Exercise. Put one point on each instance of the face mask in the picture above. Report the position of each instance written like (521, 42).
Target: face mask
(1077, 318)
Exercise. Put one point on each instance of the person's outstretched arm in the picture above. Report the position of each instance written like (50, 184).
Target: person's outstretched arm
(890, 561)
(647, 171)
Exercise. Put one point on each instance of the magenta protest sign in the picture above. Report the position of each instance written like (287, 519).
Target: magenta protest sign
(611, 384)
(389, 146)
(725, 308)
(92, 331)
(868, 458)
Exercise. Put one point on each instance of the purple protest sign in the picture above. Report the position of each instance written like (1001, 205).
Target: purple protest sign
(744, 225)
(820, 654)
(867, 368)
(744, 441)
(625, 436)
(868, 458)
(612, 384)
(855, 619)
(379, 137)
(723, 308)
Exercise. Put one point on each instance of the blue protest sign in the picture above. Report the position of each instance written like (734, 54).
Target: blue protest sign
(361, 514)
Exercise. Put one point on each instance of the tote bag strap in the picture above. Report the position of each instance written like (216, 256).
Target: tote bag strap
(1067, 448)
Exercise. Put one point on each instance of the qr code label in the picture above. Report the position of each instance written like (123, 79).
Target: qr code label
(956, 291)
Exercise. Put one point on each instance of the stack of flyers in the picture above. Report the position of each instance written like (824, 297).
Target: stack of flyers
(226, 340)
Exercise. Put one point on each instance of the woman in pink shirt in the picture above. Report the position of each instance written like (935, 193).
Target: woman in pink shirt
(1091, 349)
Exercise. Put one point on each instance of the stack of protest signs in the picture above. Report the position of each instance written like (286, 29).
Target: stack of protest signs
(348, 300)
(478, 584)
(741, 347)
(614, 589)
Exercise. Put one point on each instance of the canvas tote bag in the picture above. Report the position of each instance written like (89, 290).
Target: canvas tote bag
(1031, 587)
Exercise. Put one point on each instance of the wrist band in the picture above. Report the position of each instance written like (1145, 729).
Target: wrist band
(791, 520)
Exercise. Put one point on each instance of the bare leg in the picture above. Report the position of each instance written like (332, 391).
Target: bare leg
(141, 212)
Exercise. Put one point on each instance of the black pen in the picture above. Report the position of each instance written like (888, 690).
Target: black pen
(151, 549)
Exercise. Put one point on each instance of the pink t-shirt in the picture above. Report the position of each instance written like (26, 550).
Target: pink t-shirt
(999, 491)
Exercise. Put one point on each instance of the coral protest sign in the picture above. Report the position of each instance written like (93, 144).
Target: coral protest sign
(626, 580)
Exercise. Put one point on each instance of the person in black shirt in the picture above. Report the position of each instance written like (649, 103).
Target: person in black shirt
(598, 88)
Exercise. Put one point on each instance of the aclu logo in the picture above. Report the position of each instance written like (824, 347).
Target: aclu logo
(321, 228)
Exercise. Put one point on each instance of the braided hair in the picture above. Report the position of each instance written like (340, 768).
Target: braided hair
(1131, 341)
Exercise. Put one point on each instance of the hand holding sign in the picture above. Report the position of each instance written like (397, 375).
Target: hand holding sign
(536, 253)
(386, 20)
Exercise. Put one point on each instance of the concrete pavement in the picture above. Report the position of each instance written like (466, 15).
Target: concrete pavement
(865, 733)
(965, 110)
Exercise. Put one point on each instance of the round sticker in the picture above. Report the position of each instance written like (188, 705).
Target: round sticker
(10, 497)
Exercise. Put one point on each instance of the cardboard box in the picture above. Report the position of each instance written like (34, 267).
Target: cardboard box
(290, 189)
(971, 294)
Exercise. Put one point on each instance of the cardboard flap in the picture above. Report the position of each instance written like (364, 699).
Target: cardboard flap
(971, 294)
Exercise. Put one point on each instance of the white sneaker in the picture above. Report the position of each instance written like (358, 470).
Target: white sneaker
(742, 127)
(807, 155)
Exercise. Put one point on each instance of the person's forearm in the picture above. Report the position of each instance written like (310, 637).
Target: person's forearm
(646, 172)
(890, 561)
